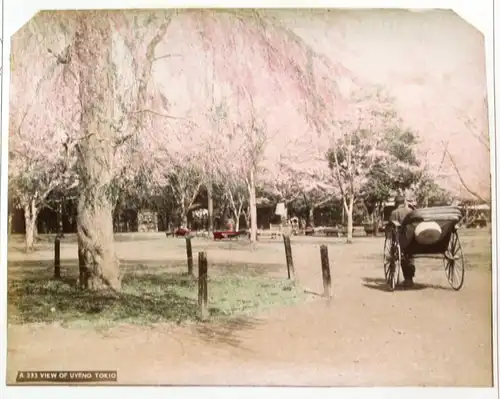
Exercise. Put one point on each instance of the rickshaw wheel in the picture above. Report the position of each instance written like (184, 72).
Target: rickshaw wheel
(392, 261)
(454, 264)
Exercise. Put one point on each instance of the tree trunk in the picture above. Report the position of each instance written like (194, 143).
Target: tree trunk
(247, 216)
(93, 45)
(210, 208)
(311, 216)
(376, 218)
(60, 216)
(184, 218)
(349, 211)
(253, 207)
(237, 216)
(30, 218)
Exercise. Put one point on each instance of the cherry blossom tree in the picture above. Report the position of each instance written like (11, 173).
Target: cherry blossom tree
(120, 107)
(115, 70)
(318, 189)
(184, 182)
(43, 117)
(267, 61)
(237, 196)
(358, 143)
(306, 175)
(114, 103)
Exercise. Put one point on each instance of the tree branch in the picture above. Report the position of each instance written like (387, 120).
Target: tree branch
(166, 56)
(462, 181)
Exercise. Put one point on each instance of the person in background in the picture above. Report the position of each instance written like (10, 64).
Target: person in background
(407, 262)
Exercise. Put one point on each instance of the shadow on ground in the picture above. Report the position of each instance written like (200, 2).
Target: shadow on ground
(226, 332)
(144, 300)
(151, 293)
(380, 284)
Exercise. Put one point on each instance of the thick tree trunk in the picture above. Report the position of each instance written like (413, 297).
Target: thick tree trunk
(210, 208)
(253, 207)
(30, 218)
(93, 47)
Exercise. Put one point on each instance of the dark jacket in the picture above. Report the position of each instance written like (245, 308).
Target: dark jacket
(399, 213)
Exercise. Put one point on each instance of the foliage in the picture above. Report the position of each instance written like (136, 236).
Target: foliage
(358, 140)
(429, 193)
(398, 170)
(43, 117)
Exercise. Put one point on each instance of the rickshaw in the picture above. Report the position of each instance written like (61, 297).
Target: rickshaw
(402, 240)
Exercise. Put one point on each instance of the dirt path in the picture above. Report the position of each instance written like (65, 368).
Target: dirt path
(364, 336)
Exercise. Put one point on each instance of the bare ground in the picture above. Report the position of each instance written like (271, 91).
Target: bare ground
(365, 336)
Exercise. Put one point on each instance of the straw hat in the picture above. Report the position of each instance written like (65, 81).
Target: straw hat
(427, 233)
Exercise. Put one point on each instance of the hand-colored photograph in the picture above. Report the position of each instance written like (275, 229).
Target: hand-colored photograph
(249, 197)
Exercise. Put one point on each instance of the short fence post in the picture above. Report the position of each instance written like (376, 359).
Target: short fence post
(57, 257)
(203, 285)
(325, 268)
(189, 252)
(289, 258)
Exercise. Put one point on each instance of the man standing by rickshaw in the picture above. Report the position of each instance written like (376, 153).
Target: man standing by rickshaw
(407, 262)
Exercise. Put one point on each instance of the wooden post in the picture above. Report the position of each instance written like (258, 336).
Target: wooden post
(289, 258)
(202, 284)
(325, 268)
(189, 252)
(57, 257)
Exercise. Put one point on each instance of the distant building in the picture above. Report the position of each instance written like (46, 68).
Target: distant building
(475, 214)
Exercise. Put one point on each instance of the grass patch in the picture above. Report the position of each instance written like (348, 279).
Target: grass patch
(146, 299)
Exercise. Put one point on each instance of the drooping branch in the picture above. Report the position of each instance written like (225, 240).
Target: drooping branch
(460, 177)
